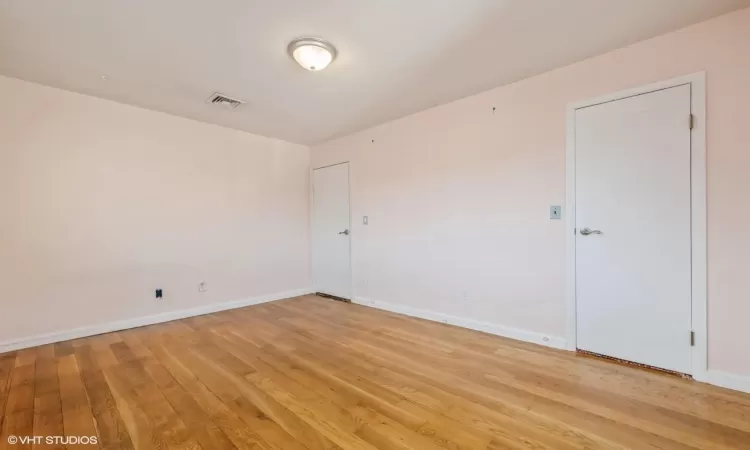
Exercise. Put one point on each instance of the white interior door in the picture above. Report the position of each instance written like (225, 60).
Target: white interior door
(633, 271)
(331, 231)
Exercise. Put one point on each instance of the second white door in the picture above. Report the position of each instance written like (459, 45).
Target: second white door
(633, 228)
(331, 231)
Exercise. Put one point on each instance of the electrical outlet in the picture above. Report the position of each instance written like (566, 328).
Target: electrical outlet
(159, 293)
(202, 286)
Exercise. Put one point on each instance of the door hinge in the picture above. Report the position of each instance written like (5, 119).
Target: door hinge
(692, 121)
(692, 338)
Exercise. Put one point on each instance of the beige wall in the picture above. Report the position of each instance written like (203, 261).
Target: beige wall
(458, 196)
(102, 203)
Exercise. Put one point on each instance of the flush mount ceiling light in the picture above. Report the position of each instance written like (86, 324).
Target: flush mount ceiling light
(312, 53)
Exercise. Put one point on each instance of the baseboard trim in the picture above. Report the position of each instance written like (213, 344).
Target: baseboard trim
(499, 330)
(50, 338)
(722, 379)
(729, 380)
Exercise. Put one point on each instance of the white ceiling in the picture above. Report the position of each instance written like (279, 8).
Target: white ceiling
(396, 57)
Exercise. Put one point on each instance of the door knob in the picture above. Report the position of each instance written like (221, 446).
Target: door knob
(344, 232)
(587, 231)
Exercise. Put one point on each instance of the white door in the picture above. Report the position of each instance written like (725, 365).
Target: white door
(633, 270)
(331, 231)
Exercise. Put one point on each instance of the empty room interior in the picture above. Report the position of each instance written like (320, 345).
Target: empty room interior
(422, 224)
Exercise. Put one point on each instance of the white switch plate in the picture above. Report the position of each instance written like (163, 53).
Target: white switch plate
(364, 220)
(555, 212)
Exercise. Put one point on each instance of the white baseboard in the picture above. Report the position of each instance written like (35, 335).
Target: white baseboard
(76, 333)
(729, 380)
(722, 379)
(499, 330)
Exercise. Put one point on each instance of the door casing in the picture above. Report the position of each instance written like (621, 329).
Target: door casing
(697, 82)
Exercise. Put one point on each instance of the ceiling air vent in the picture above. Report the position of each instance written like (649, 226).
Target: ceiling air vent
(224, 101)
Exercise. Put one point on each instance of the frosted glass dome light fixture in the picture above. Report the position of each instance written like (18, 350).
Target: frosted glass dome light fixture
(312, 53)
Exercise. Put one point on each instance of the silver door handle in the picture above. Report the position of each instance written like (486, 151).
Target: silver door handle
(587, 231)
(344, 232)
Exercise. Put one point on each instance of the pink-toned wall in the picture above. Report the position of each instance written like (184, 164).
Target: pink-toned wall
(458, 196)
(102, 203)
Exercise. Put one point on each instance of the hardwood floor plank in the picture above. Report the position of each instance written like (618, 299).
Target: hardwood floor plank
(111, 430)
(145, 401)
(7, 364)
(472, 371)
(680, 426)
(340, 403)
(313, 373)
(326, 382)
(78, 419)
(48, 419)
(206, 432)
(503, 423)
(275, 404)
(135, 420)
(19, 405)
(332, 382)
(440, 369)
(219, 413)
(63, 349)
(257, 426)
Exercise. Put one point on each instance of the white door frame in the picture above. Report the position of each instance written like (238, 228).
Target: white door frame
(697, 82)
(351, 231)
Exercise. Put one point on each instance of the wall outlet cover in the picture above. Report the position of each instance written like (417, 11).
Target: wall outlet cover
(555, 212)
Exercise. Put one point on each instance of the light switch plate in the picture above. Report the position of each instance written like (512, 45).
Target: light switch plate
(555, 212)
(364, 220)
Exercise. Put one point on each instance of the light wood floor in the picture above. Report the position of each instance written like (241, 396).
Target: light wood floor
(315, 373)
